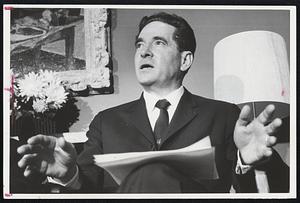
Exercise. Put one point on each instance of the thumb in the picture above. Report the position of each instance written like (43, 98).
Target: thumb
(245, 116)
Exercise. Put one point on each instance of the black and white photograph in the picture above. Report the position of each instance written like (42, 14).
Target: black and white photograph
(158, 102)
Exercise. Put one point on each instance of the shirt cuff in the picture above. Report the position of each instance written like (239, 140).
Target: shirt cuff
(74, 183)
(241, 168)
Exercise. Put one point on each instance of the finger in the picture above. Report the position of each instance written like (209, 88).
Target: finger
(271, 141)
(43, 140)
(61, 143)
(273, 126)
(26, 160)
(266, 114)
(28, 171)
(245, 116)
(268, 152)
(29, 149)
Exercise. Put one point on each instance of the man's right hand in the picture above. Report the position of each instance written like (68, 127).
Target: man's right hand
(49, 156)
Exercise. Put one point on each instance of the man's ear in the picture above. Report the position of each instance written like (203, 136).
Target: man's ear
(186, 60)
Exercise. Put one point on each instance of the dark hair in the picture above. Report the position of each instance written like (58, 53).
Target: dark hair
(183, 35)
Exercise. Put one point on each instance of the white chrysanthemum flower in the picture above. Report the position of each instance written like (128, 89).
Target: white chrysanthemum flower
(49, 80)
(39, 105)
(47, 76)
(56, 95)
(30, 86)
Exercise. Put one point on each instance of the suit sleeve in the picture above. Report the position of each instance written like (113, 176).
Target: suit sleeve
(90, 174)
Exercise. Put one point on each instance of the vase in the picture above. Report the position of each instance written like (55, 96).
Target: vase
(28, 126)
(44, 126)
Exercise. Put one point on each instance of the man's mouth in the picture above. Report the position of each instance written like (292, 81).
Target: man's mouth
(144, 66)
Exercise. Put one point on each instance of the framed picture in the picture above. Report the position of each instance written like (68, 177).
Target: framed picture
(72, 42)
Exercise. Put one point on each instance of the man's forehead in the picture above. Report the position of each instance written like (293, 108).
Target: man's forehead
(157, 28)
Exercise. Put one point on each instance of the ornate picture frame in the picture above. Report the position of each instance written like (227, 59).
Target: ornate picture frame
(94, 74)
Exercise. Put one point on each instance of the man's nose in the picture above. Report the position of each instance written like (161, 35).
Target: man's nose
(146, 51)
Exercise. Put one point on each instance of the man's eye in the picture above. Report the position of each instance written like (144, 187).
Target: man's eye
(138, 45)
(159, 42)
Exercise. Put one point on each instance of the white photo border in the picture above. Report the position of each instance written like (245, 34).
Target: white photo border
(6, 96)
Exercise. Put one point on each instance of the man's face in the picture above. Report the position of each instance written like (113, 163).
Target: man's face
(157, 59)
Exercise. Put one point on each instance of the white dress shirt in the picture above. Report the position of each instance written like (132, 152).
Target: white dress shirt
(153, 112)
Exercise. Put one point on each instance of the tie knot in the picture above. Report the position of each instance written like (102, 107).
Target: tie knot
(162, 104)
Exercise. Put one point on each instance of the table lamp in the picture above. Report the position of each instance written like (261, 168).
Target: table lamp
(252, 68)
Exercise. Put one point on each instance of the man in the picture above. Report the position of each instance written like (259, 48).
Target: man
(167, 116)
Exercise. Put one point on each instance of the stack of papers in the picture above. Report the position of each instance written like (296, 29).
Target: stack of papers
(196, 161)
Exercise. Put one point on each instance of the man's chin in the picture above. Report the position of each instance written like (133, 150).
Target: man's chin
(146, 82)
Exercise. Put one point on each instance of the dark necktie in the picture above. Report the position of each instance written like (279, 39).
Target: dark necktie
(162, 122)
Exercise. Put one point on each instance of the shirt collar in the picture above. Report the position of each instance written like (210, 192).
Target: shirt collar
(172, 97)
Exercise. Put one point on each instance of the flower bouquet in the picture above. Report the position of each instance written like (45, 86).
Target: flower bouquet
(37, 98)
(39, 94)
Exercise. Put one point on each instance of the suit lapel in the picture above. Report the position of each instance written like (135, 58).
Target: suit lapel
(185, 112)
(137, 116)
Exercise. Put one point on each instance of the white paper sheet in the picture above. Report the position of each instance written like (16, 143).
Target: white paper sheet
(195, 161)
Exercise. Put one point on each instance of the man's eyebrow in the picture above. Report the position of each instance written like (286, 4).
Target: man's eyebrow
(160, 38)
(154, 38)
(138, 40)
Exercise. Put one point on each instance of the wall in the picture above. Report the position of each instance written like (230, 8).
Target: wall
(210, 26)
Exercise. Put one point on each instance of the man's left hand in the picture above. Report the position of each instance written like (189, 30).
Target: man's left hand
(254, 138)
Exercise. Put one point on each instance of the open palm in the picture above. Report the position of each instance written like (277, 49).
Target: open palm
(254, 138)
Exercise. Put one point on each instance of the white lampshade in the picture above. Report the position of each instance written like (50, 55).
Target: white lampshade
(251, 67)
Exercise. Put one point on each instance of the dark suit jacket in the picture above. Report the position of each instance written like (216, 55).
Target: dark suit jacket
(126, 128)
